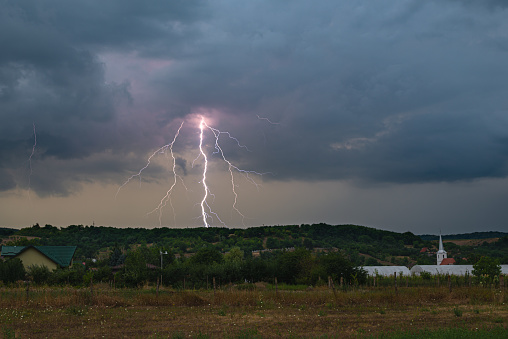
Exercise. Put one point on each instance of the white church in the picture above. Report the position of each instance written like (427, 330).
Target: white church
(444, 266)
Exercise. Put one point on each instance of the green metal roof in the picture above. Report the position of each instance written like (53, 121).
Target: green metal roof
(61, 255)
(10, 251)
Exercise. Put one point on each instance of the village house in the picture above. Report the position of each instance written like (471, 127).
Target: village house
(52, 257)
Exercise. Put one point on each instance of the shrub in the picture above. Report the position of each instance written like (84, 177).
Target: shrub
(39, 274)
(12, 270)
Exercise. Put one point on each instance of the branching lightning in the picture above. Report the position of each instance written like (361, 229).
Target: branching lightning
(207, 214)
(271, 122)
(30, 161)
(167, 197)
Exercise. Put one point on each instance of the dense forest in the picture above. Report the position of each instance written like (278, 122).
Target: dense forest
(295, 254)
(362, 245)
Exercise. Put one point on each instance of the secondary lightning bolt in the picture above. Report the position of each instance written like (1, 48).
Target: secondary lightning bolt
(273, 123)
(167, 197)
(30, 161)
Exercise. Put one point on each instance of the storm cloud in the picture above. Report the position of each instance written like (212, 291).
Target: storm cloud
(372, 93)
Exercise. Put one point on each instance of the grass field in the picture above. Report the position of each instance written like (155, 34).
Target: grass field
(260, 313)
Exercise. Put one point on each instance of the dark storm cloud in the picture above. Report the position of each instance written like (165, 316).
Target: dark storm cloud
(50, 76)
(398, 91)
(409, 92)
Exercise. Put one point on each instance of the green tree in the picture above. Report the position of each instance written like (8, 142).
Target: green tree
(116, 257)
(206, 256)
(295, 266)
(337, 266)
(235, 255)
(486, 269)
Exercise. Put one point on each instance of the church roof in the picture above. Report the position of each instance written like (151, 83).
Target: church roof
(447, 261)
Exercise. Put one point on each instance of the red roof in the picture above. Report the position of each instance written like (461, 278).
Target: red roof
(448, 261)
(423, 250)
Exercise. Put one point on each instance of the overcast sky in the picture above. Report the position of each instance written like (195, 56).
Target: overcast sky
(390, 114)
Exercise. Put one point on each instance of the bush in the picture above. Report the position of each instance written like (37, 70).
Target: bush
(12, 270)
(40, 275)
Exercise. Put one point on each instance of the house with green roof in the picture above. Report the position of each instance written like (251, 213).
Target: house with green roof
(50, 256)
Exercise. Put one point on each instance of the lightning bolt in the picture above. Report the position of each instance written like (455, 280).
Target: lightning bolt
(206, 211)
(30, 161)
(160, 150)
(167, 197)
(273, 123)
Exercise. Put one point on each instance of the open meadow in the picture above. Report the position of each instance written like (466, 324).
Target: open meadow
(253, 312)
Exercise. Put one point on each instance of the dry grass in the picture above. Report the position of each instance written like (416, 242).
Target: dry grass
(110, 313)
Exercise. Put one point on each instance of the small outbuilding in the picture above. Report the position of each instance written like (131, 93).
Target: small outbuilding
(50, 256)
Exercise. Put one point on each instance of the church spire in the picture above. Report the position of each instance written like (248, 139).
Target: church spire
(441, 254)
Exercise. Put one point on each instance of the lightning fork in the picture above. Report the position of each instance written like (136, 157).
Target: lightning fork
(231, 167)
(30, 161)
(159, 150)
(167, 197)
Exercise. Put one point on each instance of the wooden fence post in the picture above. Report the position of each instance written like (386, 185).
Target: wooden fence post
(213, 280)
(333, 287)
(450, 283)
(395, 280)
(27, 290)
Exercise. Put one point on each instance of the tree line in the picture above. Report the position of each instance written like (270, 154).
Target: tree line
(142, 265)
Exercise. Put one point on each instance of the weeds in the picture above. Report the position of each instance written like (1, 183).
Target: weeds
(256, 313)
(8, 333)
(459, 332)
(74, 310)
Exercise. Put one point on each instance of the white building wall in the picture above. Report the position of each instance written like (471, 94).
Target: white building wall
(386, 271)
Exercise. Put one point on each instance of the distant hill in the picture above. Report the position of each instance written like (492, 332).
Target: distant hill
(5, 232)
(474, 235)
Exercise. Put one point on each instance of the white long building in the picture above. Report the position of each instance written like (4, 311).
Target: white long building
(387, 271)
(449, 269)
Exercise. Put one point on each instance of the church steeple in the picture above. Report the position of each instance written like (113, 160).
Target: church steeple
(441, 254)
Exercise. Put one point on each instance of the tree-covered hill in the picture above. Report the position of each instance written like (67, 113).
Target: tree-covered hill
(363, 245)
(474, 235)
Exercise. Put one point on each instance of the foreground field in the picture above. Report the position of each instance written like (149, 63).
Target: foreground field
(259, 313)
